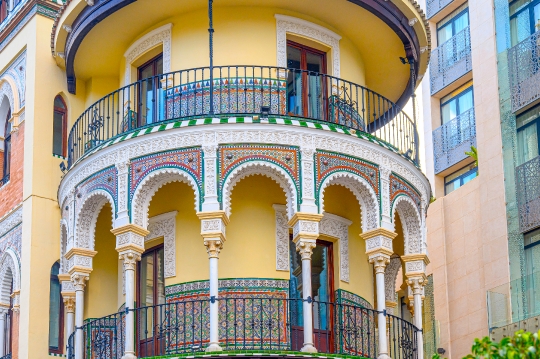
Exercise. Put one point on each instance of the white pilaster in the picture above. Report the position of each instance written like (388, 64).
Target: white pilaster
(210, 202)
(308, 181)
(386, 212)
(4, 308)
(122, 217)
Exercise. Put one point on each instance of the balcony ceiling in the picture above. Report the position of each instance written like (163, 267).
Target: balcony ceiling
(102, 49)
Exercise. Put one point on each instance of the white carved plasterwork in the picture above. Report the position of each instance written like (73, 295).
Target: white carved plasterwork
(87, 217)
(385, 196)
(210, 174)
(63, 245)
(306, 227)
(363, 192)
(243, 133)
(415, 266)
(264, 168)
(156, 37)
(150, 185)
(10, 220)
(123, 190)
(377, 242)
(9, 272)
(308, 178)
(282, 238)
(338, 227)
(164, 225)
(7, 91)
(292, 25)
(390, 277)
(411, 222)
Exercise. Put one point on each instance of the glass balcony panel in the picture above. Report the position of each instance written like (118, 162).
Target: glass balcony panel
(453, 139)
(451, 60)
(524, 71)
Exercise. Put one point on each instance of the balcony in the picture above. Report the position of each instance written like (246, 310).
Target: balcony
(524, 72)
(248, 324)
(450, 61)
(528, 194)
(514, 306)
(255, 94)
(451, 140)
(434, 6)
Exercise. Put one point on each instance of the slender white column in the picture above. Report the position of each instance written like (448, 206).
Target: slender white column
(79, 282)
(2, 330)
(69, 304)
(305, 248)
(379, 263)
(130, 259)
(417, 286)
(213, 251)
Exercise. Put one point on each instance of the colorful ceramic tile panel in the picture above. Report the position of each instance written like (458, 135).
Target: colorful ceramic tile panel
(232, 156)
(398, 186)
(328, 163)
(244, 95)
(189, 160)
(106, 180)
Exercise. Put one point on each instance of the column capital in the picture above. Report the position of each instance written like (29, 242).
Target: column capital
(305, 226)
(130, 258)
(79, 280)
(415, 264)
(379, 241)
(416, 284)
(305, 248)
(80, 260)
(213, 247)
(130, 238)
(213, 225)
(69, 303)
(379, 261)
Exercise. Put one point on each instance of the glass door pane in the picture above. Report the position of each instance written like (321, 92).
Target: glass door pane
(150, 96)
(160, 276)
(527, 140)
(294, 81)
(146, 296)
(315, 95)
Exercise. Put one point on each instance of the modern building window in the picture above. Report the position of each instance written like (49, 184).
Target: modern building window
(457, 103)
(524, 19)
(532, 271)
(59, 127)
(149, 89)
(459, 178)
(528, 127)
(7, 147)
(452, 24)
(56, 312)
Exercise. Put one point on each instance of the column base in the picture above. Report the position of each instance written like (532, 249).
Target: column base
(308, 348)
(129, 355)
(383, 356)
(213, 347)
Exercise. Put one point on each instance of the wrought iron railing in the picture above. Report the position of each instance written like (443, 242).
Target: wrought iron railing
(256, 323)
(528, 194)
(7, 356)
(524, 71)
(4, 180)
(256, 91)
(450, 61)
(434, 6)
(453, 139)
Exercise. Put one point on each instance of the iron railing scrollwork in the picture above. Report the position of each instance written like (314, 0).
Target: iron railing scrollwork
(453, 139)
(524, 71)
(257, 91)
(434, 6)
(246, 323)
(450, 61)
(528, 194)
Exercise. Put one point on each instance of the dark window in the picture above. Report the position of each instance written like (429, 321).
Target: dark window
(56, 313)
(524, 19)
(459, 178)
(532, 271)
(528, 128)
(7, 146)
(59, 127)
(150, 87)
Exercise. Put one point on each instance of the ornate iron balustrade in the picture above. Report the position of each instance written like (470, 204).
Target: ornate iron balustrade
(524, 71)
(450, 61)
(528, 194)
(255, 323)
(4, 180)
(256, 91)
(451, 140)
(434, 6)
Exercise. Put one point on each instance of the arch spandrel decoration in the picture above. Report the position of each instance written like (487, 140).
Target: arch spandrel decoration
(187, 160)
(86, 220)
(281, 163)
(399, 186)
(105, 180)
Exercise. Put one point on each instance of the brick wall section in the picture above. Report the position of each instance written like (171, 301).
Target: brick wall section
(11, 194)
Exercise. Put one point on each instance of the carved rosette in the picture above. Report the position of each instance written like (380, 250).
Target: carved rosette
(69, 303)
(213, 226)
(130, 259)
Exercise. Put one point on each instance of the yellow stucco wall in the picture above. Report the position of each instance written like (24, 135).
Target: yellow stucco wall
(101, 294)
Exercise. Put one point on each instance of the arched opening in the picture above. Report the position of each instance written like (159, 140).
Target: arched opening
(56, 312)
(5, 140)
(6, 311)
(60, 127)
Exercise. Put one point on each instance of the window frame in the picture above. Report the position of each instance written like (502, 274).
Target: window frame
(456, 97)
(459, 178)
(536, 122)
(60, 349)
(152, 81)
(530, 8)
(453, 22)
(64, 112)
(6, 169)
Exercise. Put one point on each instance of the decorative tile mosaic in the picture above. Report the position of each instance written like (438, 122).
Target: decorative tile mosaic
(232, 156)
(231, 95)
(398, 186)
(189, 160)
(328, 163)
(106, 180)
